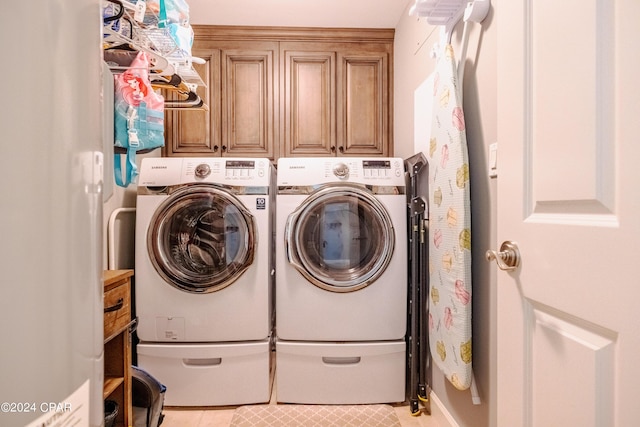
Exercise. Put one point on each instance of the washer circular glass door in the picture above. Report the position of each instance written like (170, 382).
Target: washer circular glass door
(340, 238)
(201, 239)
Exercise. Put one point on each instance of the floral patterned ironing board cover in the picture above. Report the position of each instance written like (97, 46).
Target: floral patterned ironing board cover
(449, 229)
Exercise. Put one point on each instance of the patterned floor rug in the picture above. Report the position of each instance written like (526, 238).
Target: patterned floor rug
(315, 415)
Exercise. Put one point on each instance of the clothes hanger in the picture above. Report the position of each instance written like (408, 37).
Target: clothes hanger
(118, 15)
(193, 101)
(159, 63)
(140, 34)
(177, 85)
(173, 83)
(129, 36)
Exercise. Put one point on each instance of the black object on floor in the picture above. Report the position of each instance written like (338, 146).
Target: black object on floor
(147, 395)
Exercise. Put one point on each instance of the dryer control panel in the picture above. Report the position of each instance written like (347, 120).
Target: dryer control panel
(314, 171)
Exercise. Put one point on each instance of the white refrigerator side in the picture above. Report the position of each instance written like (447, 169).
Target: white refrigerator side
(50, 253)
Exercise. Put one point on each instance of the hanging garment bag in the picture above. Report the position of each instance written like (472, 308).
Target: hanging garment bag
(138, 118)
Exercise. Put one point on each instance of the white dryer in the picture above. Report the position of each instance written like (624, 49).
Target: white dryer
(341, 249)
(341, 291)
(204, 277)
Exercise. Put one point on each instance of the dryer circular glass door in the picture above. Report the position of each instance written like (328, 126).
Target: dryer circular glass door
(201, 239)
(341, 239)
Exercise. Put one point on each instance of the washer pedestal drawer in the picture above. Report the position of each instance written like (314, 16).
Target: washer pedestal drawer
(210, 374)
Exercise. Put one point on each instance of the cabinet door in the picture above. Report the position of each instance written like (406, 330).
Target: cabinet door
(241, 82)
(196, 132)
(363, 102)
(309, 102)
(249, 110)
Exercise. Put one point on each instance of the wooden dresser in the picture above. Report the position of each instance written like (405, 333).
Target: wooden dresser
(117, 342)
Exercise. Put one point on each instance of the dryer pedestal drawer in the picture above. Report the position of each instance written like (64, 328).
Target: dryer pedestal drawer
(210, 374)
(340, 373)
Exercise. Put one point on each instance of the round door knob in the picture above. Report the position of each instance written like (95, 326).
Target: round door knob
(508, 258)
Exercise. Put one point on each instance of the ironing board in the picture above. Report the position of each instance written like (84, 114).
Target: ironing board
(449, 230)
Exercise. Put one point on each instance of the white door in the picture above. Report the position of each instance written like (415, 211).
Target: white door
(569, 195)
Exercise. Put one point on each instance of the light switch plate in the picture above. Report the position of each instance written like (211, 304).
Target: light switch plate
(493, 160)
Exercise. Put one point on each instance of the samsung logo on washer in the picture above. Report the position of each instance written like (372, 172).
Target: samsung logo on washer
(158, 167)
(297, 167)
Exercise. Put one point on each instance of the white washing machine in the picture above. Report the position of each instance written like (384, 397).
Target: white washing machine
(204, 277)
(341, 291)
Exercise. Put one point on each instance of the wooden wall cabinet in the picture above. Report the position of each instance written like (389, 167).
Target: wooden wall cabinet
(336, 98)
(241, 79)
(117, 342)
(281, 91)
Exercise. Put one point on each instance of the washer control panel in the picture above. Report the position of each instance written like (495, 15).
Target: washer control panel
(244, 168)
(231, 171)
(203, 170)
(341, 171)
(381, 168)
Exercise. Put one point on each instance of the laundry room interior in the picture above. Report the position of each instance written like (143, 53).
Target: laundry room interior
(395, 50)
(286, 212)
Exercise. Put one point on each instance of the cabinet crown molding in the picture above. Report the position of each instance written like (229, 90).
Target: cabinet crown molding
(230, 32)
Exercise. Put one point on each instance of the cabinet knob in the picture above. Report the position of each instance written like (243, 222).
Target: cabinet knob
(333, 148)
(215, 148)
(224, 148)
(341, 149)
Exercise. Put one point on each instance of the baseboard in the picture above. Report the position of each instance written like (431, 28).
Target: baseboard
(440, 414)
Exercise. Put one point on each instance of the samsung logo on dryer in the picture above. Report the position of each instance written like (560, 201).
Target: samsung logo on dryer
(297, 167)
(158, 167)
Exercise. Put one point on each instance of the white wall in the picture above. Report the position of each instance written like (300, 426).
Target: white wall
(124, 226)
(412, 64)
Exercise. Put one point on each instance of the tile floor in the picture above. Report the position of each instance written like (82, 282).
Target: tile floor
(221, 416)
